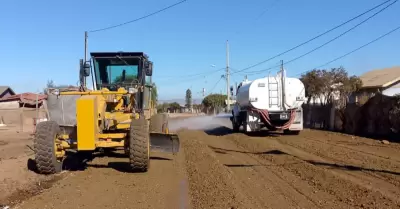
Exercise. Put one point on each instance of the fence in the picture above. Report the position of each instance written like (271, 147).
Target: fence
(378, 117)
(317, 116)
(20, 119)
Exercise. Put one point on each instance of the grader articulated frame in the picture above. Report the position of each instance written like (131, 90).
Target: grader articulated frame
(117, 113)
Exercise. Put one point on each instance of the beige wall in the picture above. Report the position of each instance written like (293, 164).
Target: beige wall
(9, 105)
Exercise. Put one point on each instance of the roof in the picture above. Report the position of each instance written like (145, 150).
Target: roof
(4, 88)
(29, 98)
(121, 54)
(381, 77)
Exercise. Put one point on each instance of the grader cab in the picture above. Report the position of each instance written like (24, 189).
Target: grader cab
(117, 113)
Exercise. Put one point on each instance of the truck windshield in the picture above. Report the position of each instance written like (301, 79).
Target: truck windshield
(110, 72)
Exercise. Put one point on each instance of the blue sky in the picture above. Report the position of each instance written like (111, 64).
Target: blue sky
(41, 40)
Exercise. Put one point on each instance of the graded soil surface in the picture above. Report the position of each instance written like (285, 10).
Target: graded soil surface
(220, 169)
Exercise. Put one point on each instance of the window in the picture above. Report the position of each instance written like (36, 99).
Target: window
(115, 73)
(110, 71)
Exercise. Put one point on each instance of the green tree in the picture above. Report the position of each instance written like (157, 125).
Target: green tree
(163, 107)
(324, 83)
(154, 94)
(214, 101)
(314, 83)
(50, 84)
(188, 98)
(174, 106)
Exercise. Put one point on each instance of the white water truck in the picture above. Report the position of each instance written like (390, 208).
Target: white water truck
(271, 102)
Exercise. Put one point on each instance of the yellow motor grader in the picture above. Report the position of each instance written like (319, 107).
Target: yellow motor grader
(117, 113)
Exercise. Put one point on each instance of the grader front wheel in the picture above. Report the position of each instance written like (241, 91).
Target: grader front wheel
(46, 157)
(139, 145)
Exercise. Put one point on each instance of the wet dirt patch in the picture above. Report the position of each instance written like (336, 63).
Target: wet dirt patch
(20, 195)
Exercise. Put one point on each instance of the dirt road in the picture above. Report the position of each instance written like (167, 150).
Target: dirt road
(219, 169)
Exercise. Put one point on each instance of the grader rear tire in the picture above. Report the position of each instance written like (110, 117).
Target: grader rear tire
(159, 123)
(139, 146)
(44, 146)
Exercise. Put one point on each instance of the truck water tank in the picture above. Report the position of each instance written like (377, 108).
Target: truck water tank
(266, 93)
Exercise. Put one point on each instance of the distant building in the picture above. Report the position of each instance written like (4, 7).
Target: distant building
(385, 81)
(6, 91)
(22, 100)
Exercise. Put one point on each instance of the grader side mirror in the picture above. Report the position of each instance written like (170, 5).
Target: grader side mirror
(85, 68)
(149, 68)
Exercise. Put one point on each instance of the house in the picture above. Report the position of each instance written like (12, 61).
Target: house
(6, 91)
(22, 100)
(385, 81)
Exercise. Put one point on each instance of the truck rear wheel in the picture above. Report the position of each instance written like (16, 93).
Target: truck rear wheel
(235, 124)
(45, 148)
(289, 132)
(139, 145)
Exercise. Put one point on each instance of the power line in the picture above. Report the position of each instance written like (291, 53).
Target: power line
(340, 25)
(351, 52)
(267, 9)
(326, 43)
(335, 38)
(140, 18)
(215, 85)
(260, 15)
(197, 74)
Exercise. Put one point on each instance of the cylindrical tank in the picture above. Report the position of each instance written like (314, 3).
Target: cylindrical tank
(266, 93)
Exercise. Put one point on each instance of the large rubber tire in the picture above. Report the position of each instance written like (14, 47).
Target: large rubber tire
(139, 145)
(235, 125)
(159, 123)
(45, 153)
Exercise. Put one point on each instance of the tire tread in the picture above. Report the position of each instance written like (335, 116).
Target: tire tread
(44, 147)
(138, 145)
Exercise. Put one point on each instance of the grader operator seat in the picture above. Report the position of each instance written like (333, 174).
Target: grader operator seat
(117, 113)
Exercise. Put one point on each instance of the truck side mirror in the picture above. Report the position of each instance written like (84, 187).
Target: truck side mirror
(85, 68)
(149, 68)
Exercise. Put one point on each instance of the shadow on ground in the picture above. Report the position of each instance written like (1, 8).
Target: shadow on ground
(223, 130)
(313, 162)
(122, 166)
(225, 151)
(79, 162)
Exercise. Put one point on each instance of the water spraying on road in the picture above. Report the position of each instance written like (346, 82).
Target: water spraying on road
(201, 122)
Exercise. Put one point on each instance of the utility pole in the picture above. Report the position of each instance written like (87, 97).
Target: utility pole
(85, 57)
(228, 103)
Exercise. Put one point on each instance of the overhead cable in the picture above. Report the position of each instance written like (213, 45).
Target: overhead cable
(140, 18)
(326, 43)
(324, 33)
(358, 48)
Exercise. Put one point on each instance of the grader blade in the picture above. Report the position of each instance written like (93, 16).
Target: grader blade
(161, 142)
